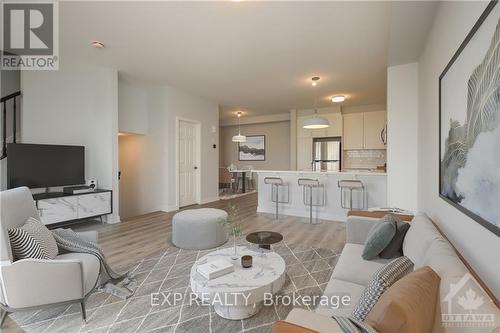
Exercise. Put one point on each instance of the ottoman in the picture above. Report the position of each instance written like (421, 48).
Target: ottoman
(199, 229)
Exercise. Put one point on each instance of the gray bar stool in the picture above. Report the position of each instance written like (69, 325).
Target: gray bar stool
(351, 185)
(308, 185)
(276, 183)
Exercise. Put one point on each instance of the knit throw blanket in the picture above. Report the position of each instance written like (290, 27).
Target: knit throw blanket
(120, 285)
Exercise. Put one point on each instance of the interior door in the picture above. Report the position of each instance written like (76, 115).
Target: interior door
(188, 163)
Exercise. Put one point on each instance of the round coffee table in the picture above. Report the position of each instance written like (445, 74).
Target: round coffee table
(264, 238)
(239, 294)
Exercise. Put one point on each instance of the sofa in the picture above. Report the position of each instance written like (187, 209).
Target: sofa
(423, 244)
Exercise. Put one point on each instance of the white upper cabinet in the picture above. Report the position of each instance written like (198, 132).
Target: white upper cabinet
(353, 131)
(364, 130)
(374, 125)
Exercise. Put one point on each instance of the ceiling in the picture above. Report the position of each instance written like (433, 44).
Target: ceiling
(252, 56)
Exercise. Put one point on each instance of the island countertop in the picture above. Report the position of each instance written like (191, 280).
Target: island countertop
(363, 173)
(329, 196)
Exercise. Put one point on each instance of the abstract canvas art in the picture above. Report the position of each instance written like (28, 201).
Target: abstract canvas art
(469, 147)
(254, 149)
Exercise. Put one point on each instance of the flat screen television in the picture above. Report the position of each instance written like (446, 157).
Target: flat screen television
(35, 166)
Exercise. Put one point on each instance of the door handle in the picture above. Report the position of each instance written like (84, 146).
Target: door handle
(196, 168)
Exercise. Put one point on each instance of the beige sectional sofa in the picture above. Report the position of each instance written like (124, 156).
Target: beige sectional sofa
(424, 245)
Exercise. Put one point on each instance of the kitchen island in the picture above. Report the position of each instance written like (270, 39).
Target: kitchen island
(292, 197)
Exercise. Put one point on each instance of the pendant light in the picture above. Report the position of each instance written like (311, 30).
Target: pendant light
(315, 122)
(239, 137)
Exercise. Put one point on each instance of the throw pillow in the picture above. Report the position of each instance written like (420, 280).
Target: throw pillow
(409, 305)
(32, 240)
(395, 247)
(379, 237)
(381, 280)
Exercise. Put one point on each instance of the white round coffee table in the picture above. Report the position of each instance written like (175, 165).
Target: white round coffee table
(240, 294)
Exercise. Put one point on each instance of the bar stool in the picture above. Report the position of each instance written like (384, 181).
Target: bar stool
(308, 184)
(351, 185)
(276, 183)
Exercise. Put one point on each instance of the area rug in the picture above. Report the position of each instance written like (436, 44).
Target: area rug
(308, 271)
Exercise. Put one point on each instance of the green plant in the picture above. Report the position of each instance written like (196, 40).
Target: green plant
(233, 221)
(233, 225)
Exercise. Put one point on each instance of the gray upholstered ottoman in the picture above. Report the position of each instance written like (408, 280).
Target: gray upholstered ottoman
(199, 229)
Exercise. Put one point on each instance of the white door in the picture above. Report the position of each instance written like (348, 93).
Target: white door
(188, 163)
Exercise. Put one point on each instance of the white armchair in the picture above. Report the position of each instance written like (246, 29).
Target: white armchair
(32, 283)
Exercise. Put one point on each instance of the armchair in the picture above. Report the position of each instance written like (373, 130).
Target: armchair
(31, 283)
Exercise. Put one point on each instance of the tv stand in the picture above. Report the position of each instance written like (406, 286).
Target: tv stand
(58, 208)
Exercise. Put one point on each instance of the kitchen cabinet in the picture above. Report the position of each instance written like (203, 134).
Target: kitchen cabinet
(364, 130)
(374, 130)
(354, 131)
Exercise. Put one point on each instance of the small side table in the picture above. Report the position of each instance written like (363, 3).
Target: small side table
(264, 238)
(379, 214)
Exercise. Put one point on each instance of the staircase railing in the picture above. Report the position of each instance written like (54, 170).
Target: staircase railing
(3, 102)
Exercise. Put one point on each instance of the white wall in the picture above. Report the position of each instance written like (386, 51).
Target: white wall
(479, 246)
(277, 145)
(402, 134)
(155, 157)
(132, 106)
(76, 105)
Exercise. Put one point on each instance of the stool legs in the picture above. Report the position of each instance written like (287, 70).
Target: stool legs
(277, 201)
(310, 205)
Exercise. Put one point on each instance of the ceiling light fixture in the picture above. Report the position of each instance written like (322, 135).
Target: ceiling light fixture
(315, 122)
(315, 80)
(97, 44)
(338, 99)
(239, 137)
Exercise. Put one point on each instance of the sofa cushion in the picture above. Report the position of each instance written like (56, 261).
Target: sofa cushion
(282, 326)
(409, 305)
(382, 280)
(313, 321)
(90, 265)
(379, 237)
(339, 288)
(353, 268)
(419, 238)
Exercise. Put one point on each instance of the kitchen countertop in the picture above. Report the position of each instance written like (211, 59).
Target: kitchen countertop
(361, 172)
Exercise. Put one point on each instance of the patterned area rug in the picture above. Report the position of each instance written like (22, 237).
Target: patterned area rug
(308, 271)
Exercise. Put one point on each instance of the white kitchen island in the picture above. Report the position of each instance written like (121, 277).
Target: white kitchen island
(375, 184)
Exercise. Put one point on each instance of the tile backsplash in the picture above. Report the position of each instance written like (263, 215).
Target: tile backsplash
(364, 158)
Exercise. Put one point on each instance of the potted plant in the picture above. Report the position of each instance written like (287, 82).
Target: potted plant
(233, 226)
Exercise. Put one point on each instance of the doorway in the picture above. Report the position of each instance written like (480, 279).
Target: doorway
(188, 157)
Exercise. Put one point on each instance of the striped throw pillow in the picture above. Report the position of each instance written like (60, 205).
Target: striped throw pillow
(32, 240)
(383, 278)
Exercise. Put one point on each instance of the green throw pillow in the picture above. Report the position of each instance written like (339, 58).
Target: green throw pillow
(379, 237)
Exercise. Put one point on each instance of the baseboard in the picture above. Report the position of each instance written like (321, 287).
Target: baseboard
(112, 219)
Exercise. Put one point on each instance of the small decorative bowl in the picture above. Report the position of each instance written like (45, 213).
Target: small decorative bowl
(246, 261)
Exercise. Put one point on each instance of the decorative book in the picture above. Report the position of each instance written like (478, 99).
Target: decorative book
(214, 269)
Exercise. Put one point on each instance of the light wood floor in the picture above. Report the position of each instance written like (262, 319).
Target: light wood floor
(133, 239)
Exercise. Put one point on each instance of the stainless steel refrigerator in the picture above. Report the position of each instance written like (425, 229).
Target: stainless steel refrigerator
(327, 154)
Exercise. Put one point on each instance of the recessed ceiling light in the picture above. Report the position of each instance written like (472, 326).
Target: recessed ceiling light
(97, 44)
(338, 99)
(315, 80)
